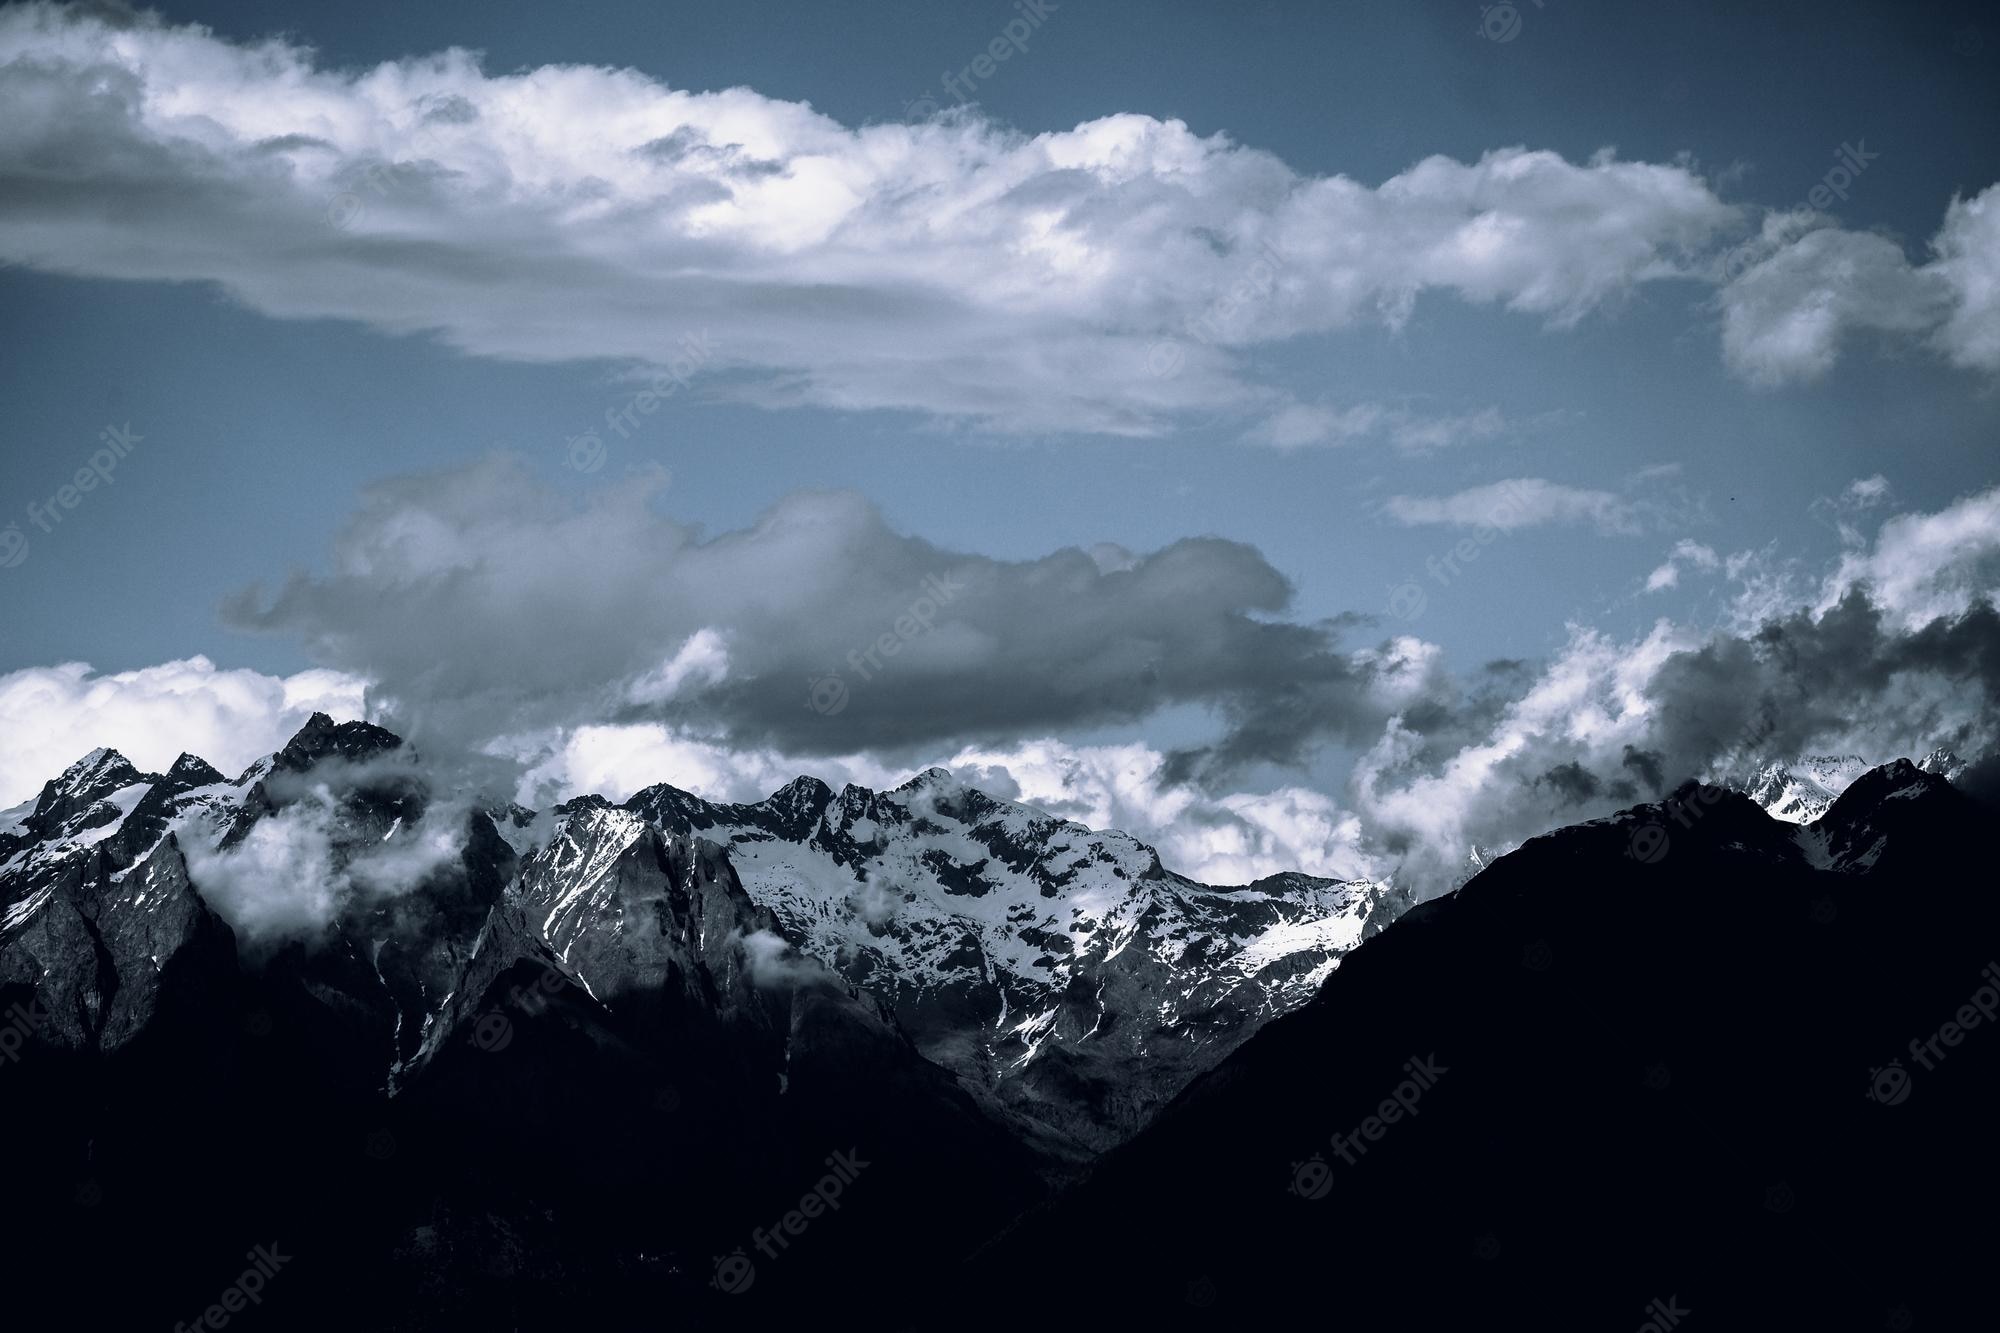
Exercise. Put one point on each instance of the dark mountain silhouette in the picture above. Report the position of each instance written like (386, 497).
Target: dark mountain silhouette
(1663, 1057)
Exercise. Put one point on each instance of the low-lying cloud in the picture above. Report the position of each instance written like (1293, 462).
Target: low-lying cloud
(478, 608)
(306, 863)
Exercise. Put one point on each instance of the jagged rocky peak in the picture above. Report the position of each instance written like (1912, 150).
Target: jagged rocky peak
(1063, 968)
(192, 770)
(1037, 957)
(321, 738)
(931, 779)
(98, 775)
(1943, 762)
(1801, 790)
(805, 797)
(1900, 777)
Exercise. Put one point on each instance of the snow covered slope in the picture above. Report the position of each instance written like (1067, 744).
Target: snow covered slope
(1065, 969)
(1802, 790)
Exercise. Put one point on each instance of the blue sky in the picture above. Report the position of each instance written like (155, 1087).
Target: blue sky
(268, 398)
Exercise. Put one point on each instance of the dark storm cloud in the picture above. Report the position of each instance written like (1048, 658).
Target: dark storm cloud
(1793, 685)
(1573, 780)
(1772, 693)
(478, 601)
(1646, 763)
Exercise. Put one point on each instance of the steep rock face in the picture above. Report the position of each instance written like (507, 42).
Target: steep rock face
(657, 929)
(98, 919)
(635, 911)
(1066, 970)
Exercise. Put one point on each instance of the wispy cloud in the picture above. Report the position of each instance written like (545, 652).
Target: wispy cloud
(1686, 554)
(1521, 502)
(1306, 425)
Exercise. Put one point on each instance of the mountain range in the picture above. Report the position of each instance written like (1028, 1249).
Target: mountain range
(590, 1062)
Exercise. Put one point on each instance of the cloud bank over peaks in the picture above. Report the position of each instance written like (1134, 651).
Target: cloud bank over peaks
(50, 715)
(472, 612)
(479, 604)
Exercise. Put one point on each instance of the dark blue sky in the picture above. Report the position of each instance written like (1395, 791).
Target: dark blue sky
(259, 432)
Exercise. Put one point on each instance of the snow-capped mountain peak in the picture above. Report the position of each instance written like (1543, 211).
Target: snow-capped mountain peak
(1027, 952)
(1061, 969)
